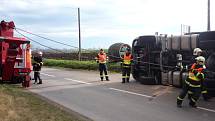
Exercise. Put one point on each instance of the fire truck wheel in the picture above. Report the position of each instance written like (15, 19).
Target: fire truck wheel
(16, 80)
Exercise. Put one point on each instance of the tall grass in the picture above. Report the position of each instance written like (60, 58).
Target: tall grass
(74, 64)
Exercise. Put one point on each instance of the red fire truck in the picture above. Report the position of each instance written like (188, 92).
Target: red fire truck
(15, 56)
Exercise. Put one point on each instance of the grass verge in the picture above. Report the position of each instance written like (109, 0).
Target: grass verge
(87, 65)
(18, 104)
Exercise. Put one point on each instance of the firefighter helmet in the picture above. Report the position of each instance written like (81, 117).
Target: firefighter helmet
(40, 53)
(196, 51)
(201, 59)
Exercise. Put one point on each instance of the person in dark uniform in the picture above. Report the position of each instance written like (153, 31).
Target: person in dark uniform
(196, 53)
(126, 66)
(37, 65)
(193, 83)
(102, 58)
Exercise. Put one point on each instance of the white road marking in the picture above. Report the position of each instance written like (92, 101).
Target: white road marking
(133, 93)
(210, 110)
(48, 75)
(77, 81)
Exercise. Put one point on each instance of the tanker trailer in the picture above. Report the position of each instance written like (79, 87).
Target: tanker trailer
(162, 59)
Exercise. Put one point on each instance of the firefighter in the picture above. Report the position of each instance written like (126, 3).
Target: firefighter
(196, 53)
(102, 58)
(193, 83)
(126, 66)
(37, 65)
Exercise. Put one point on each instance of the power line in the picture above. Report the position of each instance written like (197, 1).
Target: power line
(43, 44)
(38, 42)
(46, 38)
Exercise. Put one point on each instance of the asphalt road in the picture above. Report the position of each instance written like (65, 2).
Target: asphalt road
(83, 92)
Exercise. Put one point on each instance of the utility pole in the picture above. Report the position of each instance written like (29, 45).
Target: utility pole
(209, 27)
(79, 37)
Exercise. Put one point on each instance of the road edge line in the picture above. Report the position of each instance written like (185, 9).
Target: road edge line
(77, 81)
(133, 93)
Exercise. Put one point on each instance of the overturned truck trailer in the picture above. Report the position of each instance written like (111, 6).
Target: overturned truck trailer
(156, 58)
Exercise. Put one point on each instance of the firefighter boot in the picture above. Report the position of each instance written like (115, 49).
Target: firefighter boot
(101, 78)
(206, 97)
(179, 103)
(127, 80)
(192, 104)
(123, 80)
(40, 82)
(107, 79)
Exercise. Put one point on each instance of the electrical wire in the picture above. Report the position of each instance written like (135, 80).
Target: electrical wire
(38, 42)
(43, 44)
(47, 38)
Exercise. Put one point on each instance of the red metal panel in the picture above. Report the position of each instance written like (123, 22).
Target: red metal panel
(6, 29)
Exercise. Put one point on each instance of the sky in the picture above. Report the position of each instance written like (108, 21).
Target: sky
(104, 22)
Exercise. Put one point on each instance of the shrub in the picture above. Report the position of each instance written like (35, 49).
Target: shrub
(74, 64)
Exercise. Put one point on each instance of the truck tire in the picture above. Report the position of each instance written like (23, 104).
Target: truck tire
(148, 80)
(210, 63)
(211, 92)
(135, 76)
(210, 83)
(134, 73)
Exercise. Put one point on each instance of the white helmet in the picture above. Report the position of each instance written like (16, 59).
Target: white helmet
(196, 51)
(40, 53)
(200, 59)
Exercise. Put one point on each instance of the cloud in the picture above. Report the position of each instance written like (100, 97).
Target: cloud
(107, 21)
